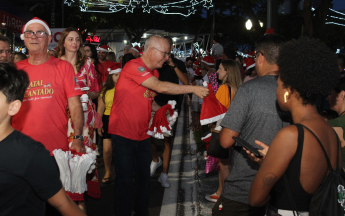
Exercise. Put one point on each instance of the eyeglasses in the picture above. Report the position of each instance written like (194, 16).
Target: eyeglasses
(39, 34)
(164, 53)
(256, 54)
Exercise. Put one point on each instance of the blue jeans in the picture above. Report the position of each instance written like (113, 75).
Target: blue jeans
(131, 155)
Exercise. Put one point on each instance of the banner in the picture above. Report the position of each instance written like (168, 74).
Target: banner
(56, 34)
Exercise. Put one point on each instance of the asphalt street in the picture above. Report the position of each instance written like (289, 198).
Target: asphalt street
(189, 183)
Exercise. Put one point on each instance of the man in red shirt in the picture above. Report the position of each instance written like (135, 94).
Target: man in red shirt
(102, 68)
(129, 122)
(43, 114)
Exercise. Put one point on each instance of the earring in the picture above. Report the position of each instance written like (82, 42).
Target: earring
(285, 96)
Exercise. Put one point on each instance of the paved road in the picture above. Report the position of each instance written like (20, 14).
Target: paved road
(189, 183)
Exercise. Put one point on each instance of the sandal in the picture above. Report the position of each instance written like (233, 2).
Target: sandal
(106, 180)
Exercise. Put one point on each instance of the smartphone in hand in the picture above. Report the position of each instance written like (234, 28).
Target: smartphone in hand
(249, 147)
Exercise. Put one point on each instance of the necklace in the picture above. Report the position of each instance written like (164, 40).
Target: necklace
(342, 113)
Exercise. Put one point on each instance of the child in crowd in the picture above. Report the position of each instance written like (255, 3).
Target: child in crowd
(28, 174)
(105, 101)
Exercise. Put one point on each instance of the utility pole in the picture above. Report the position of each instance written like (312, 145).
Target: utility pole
(213, 25)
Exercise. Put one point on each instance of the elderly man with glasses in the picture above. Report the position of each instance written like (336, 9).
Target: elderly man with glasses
(52, 84)
(129, 123)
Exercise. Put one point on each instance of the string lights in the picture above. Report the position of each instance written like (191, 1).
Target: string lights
(182, 7)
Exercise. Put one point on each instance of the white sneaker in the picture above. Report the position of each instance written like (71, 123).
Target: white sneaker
(155, 165)
(163, 179)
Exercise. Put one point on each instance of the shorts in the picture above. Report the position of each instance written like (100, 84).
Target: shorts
(164, 134)
(105, 120)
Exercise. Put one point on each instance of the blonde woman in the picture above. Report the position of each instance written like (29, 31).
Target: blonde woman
(229, 74)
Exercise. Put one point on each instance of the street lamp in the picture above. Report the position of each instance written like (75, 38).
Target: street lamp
(125, 41)
(249, 25)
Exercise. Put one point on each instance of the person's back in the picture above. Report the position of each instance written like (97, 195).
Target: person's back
(258, 121)
(253, 115)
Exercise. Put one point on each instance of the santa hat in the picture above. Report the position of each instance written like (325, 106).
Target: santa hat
(160, 123)
(250, 63)
(207, 138)
(104, 48)
(208, 60)
(269, 31)
(250, 55)
(116, 68)
(35, 20)
(136, 49)
(212, 110)
(198, 71)
(196, 63)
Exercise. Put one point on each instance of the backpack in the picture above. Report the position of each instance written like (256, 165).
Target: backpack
(329, 198)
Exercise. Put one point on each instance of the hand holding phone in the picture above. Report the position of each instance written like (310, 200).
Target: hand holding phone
(249, 147)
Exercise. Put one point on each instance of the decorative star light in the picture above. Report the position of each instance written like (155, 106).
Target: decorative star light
(68, 2)
(178, 7)
(191, 11)
(207, 4)
(83, 7)
(147, 8)
(130, 8)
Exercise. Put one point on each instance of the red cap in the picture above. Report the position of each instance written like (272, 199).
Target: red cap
(208, 60)
(104, 48)
(35, 20)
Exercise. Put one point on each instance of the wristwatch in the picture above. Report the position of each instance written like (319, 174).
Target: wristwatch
(174, 67)
(79, 137)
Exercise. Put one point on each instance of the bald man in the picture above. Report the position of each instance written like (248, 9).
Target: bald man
(129, 122)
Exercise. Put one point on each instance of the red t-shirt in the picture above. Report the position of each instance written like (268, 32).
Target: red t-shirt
(131, 111)
(42, 115)
(103, 69)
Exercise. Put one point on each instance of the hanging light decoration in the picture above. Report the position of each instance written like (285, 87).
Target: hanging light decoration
(182, 7)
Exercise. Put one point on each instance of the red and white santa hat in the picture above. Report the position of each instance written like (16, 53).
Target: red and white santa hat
(104, 48)
(136, 48)
(208, 60)
(198, 71)
(269, 31)
(212, 110)
(160, 123)
(250, 55)
(116, 68)
(196, 63)
(35, 20)
(250, 63)
(207, 138)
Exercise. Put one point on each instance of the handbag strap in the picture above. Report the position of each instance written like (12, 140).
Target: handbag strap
(229, 91)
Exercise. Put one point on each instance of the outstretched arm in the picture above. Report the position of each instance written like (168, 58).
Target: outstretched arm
(77, 117)
(174, 89)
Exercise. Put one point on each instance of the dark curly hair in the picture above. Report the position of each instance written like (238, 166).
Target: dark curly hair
(309, 67)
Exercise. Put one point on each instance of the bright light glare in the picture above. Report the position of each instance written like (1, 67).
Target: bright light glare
(249, 25)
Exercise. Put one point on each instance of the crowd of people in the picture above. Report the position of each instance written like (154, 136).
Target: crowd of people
(65, 98)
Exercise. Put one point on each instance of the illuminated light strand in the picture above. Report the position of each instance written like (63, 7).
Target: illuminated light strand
(336, 17)
(334, 23)
(165, 8)
(336, 11)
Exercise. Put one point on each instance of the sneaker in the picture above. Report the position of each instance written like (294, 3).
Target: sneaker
(212, 197)
(163, 179)
(155, 165)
